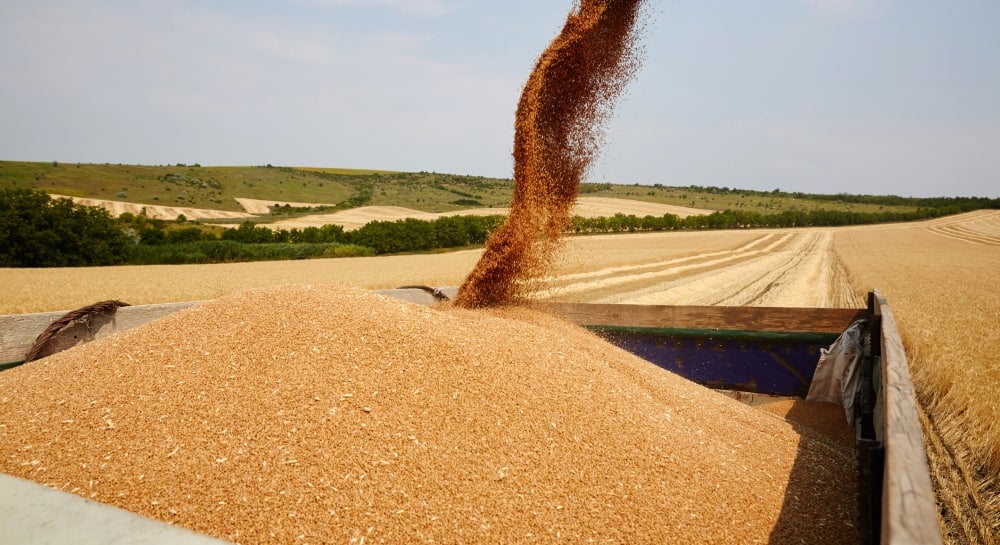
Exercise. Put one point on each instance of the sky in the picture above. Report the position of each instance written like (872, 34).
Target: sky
(823, 96)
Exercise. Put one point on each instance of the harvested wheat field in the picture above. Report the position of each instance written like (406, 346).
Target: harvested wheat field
(263, 207)
(117, 208)
(790, 267)
(942, 279)
(355, 218)
(356, 417)
(603, 207)
(52, 289)
(41, 290)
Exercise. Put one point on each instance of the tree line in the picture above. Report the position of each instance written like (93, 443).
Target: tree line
(732, 219)
(38, 231)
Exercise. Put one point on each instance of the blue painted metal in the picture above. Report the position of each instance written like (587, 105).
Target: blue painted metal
(762, 362)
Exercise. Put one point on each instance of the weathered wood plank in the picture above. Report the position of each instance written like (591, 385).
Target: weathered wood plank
(909, 513)
(18, 331)
(784, 319)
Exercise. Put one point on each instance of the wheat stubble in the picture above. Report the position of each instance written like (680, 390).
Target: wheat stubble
(310, 414)
(558, 126)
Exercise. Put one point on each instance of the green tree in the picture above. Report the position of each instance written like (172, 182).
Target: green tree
(247, 232)
(37, 231)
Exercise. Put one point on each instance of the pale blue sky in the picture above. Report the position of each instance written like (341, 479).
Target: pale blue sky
(826, 96)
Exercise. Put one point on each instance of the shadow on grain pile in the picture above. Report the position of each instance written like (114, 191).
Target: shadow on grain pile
(328, 413)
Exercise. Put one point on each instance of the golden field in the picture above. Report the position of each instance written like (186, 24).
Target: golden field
(942, 280)
(941, 277)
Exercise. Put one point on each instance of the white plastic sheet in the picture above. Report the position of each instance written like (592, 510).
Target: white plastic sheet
(838, 374)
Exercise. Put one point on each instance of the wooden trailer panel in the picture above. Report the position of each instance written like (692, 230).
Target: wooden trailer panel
(909, 511)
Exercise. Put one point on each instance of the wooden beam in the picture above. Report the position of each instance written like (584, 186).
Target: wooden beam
(18, 331)
(784, 319)
(909, 512)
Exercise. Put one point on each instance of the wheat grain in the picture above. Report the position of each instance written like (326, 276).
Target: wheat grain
(328, 413)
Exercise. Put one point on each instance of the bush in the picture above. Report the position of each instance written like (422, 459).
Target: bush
(247, 232)
(36, 231)
(230, 251)
(348, 250)
(413, 235)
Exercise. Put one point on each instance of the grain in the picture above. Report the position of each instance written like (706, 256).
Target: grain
(557, 130)
(311, 414)
(824, 421)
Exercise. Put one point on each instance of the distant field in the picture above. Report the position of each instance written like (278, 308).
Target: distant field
(117, 208)
(731, 199)
(588, 207)
(791, 267)
(353, 218)
(218, 188)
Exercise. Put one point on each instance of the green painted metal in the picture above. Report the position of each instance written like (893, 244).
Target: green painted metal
(724, 334)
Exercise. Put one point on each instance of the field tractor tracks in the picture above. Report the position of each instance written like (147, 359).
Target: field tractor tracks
(961, 232)
(608, 282)
(774, 278)
(796, 268)
(982, 227)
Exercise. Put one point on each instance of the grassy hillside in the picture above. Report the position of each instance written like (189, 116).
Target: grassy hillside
(714, 198)
(216, 188)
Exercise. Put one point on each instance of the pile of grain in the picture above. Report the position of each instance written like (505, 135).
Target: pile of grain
(321, 414)
(557, 130)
